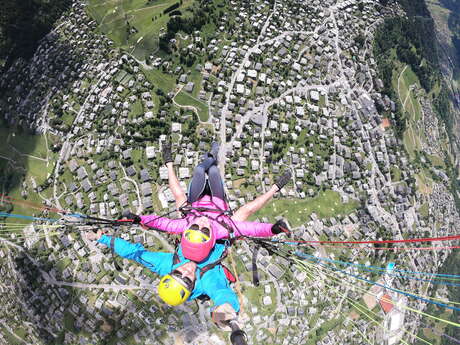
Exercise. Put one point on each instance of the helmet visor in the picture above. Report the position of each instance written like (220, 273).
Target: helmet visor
(197, 236)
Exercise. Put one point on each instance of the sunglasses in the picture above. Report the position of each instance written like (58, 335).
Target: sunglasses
(205, 230)
(185, 281)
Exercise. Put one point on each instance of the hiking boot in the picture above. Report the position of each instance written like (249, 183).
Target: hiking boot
(282, 180)
(214, 153)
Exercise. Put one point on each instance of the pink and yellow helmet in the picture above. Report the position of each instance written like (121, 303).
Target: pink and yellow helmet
(197, 243)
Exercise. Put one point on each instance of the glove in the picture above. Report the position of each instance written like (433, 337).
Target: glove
(167, 155)
(129, 215)
(283, 180)
(280, 227)
(222, 316)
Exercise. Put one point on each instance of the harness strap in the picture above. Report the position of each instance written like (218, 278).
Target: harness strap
(176, 258)
(188, 208)
(214, 264)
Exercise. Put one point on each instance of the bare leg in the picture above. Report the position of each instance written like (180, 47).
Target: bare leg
(179, 194)
(244, 212)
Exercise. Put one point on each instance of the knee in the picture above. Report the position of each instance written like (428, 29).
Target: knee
(213, 171)
(199, 171)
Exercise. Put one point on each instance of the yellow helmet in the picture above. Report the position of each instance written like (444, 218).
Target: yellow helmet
(173, 291)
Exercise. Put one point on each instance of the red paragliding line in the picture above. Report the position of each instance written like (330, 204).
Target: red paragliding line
(13, 201)
(410, 240)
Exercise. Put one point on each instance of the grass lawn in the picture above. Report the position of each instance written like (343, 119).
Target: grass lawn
(68, 118)
(323, 330)
(395, 173)
(437, 161)
(253, 294)
(410, 77)
(431, 336)
(411, 141)
(34, 145)
(62, 264)
(11, 340)
(415, 106)
(137, 110)
(196, 77)
(20, 332)
(297, 211)
(423, 183)
(237, 183)
(162, 80)
(424, 210)
(69, 322)
(184, 99)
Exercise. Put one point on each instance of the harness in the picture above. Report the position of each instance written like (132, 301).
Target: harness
(228, 274)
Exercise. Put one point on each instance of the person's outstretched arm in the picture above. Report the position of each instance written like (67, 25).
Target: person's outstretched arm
(253, 229)
(160, 263)
(174, 226)
(245, 211)
(174, 185)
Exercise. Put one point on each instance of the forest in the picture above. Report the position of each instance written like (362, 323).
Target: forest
(23, 23)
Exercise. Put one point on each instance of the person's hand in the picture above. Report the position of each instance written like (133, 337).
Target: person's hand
(129, 215)
(280, 227)
(222, 316)
(94, 236)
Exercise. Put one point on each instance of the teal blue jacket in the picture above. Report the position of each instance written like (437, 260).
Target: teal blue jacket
(213, 283)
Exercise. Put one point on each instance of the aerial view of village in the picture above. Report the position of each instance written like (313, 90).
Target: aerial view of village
(229, 172)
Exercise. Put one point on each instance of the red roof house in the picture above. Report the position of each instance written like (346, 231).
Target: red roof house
(386, 303)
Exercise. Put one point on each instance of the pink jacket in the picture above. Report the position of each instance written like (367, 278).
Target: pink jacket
(216, 206)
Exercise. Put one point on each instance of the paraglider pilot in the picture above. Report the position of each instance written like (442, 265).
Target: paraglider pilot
(196, 269)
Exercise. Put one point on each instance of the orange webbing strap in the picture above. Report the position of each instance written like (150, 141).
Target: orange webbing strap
(237, 284)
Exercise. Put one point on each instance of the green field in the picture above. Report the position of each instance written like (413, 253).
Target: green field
(424, 210)
(395, 173)
(406, 82)
(326, 204)
(424, 183)
(436, 161)
(12, 340)
(134, 25)
(164, 81)
(184, 99)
